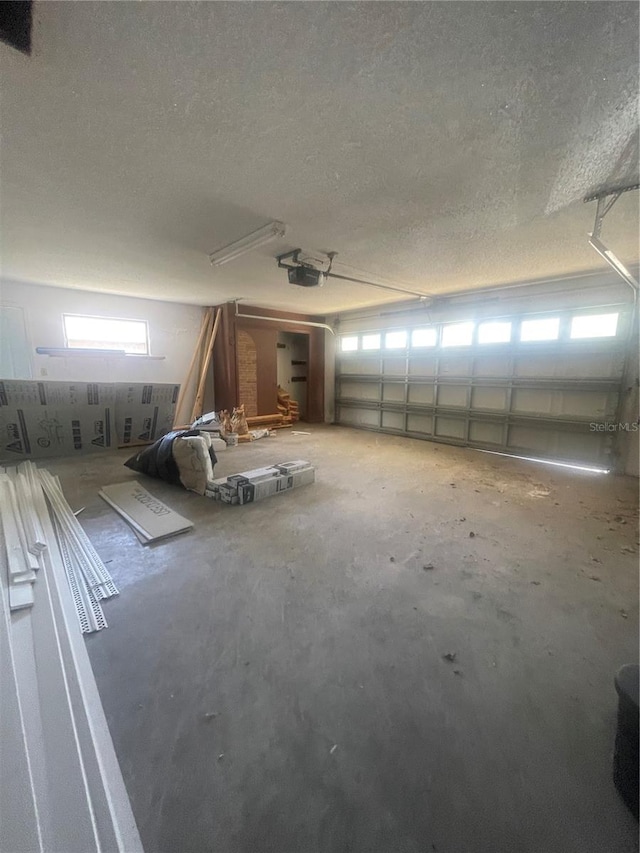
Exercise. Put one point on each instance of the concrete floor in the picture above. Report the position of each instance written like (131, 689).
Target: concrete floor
(275, 681)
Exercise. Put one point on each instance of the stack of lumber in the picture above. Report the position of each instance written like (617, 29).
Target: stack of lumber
(196, 378)
(275, 421)
(287, 407)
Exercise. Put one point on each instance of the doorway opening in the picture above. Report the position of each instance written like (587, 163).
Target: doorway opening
(292, 367)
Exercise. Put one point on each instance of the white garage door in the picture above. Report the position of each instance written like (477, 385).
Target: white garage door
(544, 385)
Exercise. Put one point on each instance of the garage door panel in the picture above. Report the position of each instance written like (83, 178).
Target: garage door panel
(420, 423)
(360, 390)
(359, 417)
(579, 404)
(568, 365)
(589, 403)
(452, 395)
(395, 366)
(533, 401)
(423, 395)
(486, 433)
(361, 366)
(558, 444)
(539, 366)
(586, 365)
(455, 366)
(450, 427)
(393, 392)
(492, 367)
(423, 366)
(393, 420)
(487, 397)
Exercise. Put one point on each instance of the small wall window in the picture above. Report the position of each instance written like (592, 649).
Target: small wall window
(424, 337)
(457, 334)
(83, 332)
(594, 326)
(545, 329)
(371, 341)
(494, 332)
(349, 344)
(395, 340)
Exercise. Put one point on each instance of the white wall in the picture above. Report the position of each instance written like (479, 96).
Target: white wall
(173, 331)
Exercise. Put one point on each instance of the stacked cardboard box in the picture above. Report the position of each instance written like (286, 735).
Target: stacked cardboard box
(250, 486)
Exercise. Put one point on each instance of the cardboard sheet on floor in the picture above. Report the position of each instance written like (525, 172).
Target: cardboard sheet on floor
(149, 517)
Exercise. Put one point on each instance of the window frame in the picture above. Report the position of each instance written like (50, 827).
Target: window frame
(377, 335)
(558, 338)
(397, 347)
(435, 328)
(584, 315)
(70, 346)
(343, 338)
(445, 326)
(492, 322)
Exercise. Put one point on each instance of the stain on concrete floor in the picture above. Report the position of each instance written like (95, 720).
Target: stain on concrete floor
(239, 656)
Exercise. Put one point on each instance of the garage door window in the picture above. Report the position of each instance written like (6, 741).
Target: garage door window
(594, 326)
(424, 337)
(457, 335)
(495, 332)
(545, 329)
(371, 342)
(395, 340)
(349, 344)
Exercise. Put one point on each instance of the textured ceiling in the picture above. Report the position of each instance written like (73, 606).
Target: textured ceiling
(443, 146)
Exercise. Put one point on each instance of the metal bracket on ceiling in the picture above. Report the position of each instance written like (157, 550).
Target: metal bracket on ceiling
(605, 200)
(295, 257)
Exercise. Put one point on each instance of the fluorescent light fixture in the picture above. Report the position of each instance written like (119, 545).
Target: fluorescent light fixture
(613, 261)
(247, 244)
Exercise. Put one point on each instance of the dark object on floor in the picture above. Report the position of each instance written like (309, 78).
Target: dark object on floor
(625, 756)
(15, 24)
(157, 460)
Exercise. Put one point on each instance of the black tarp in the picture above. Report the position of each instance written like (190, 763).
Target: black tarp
(157, 459)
